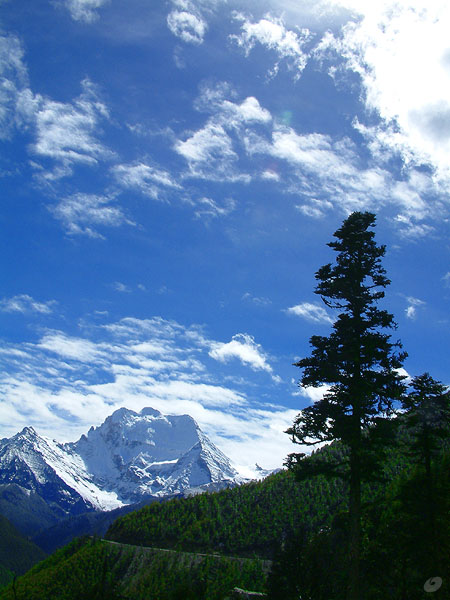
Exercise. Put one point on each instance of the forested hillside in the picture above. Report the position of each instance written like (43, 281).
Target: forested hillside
(17, 554)
(252, 519)
(89, 569)
(245, 521)
(302, 525)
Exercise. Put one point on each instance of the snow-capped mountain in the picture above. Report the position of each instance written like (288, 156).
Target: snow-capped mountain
(130, 456)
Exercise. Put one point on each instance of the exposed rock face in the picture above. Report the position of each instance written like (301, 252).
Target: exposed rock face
(130, 456)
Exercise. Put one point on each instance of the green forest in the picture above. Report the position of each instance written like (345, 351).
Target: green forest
(17, 554)
(366, 516)
(302, 526)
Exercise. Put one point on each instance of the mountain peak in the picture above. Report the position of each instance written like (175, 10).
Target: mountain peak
(129, 456)
(151, 412)
(28, 432)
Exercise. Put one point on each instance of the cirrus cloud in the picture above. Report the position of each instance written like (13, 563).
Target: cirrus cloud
(23, 303)
(82, 214)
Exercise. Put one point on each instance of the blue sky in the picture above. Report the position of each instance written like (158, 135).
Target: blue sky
(170, 175)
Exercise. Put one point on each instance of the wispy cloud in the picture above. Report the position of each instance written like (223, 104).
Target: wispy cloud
(121, 287)
(258, 300)
(147, 179)
(209, 153)
(218, 101)
(84, 10)
(272, 33)
(311, 312)
(213, 151)
(413, 305)
(66, 132)
(328, 173)
(207, 208)
(23, 303)
(69, 347)
(83, 214)
(314, 394)
(13, 79)
(189, 27)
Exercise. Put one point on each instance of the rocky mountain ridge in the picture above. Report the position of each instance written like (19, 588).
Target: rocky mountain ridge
(129, 457)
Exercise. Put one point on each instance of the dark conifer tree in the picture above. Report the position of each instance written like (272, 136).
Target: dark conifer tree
(427, 420)
(359, 363)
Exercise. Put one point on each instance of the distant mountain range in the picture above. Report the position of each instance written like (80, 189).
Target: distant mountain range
(131, 458)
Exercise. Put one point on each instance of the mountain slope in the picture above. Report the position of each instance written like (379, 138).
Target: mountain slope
(17, 554)
(131, 457)
(92, 569)
(148, 453)
(249, 519)
(51, 470)
(27, 510)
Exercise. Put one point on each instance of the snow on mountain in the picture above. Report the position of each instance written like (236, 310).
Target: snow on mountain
(53, 471)
(130, 456)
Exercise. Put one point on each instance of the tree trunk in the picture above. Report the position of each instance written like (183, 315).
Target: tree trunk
(354, 584)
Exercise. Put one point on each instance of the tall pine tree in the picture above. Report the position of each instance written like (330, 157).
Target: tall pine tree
(359, 363)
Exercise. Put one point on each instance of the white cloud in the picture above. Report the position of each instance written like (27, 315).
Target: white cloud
(147, 179)
(328, 173)
(270, 175)
(410, 229)
(82, 214)
(413, 305)
(84, 10)
(244, 348)
(187, 26)
(13, 78)
(317, 153)
(209, 208)
(121, 287)
(311, 312)
(314, 394)
(401, 51)
(209, 153)
(24, 303)
(258, 437)
(272, 33)
(446, 279)
(316, 209)
(258, 300)
(66, 132)
(63, 384)
(325, 172)
(249, 111)
(69, 347)
(212, 152)
(228, 113)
